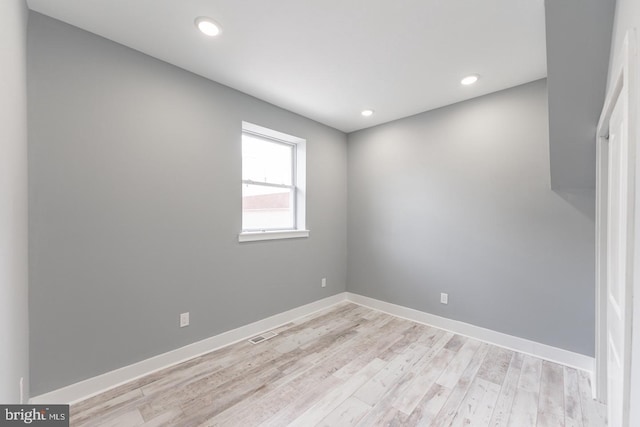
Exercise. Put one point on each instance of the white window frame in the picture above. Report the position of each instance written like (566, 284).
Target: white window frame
(291, 187)
(298, 185)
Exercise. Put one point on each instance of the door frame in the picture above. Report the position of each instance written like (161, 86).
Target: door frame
(624, 80)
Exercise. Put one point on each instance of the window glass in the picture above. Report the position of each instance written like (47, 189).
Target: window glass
(266, 161)
(267, 208)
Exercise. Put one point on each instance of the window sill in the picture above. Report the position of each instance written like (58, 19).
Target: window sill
(253, 236)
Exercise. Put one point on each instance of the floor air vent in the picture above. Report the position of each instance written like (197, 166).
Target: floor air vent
(263, 337)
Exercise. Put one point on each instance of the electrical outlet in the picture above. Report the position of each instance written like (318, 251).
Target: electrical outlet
(184, 319)
(444, 298)
(324, 282)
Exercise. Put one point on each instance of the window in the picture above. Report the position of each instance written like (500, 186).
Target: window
(273, 190)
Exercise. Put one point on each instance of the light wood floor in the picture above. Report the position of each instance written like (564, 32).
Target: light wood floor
(347, 366)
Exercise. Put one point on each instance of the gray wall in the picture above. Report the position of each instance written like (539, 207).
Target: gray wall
(458, 200)
(135, 169)
(14, 327)
(578, 43)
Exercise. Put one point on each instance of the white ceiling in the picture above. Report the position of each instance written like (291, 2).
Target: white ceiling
(330, 59)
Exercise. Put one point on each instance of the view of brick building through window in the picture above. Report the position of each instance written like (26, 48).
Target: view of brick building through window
(262, 202)
(274, 209)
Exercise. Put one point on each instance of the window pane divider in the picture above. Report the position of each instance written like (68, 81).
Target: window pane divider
(268, 184)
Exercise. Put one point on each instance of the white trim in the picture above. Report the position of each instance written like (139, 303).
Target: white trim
(252, 236)
(274, 134)
(542, 351)
(594, 380)
(599, 380)
(299, 184)
(634, 135)
(90, 387)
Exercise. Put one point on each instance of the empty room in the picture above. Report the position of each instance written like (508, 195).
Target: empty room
(319, 213)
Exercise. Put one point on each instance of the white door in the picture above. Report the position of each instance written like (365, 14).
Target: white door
(617, 267)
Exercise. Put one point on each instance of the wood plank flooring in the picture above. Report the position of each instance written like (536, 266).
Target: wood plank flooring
(352, 366)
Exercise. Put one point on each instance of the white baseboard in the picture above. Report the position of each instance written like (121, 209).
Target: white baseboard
(543, 351)
(90, 387)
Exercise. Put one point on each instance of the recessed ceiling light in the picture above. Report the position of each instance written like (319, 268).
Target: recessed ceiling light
(208, 26)
(469, 80)
(367, 113)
